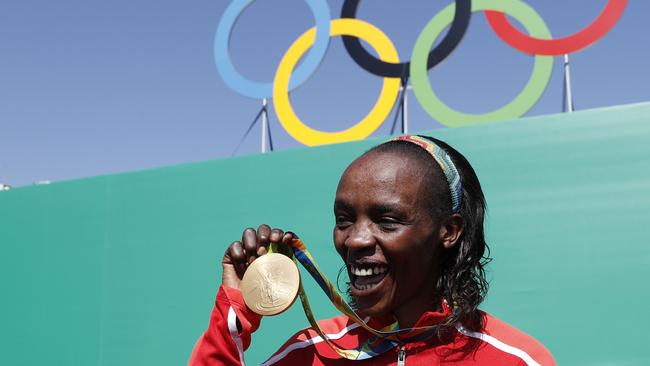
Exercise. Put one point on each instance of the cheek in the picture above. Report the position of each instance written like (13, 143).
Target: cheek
(428, 262)
(339, 242)
(415, 260)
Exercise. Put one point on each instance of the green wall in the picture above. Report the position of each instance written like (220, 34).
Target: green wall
(123, 269)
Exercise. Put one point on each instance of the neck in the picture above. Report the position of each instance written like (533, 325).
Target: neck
(410, 312)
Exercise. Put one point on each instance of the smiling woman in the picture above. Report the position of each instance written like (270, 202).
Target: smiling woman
(409, 228)
(409, 221)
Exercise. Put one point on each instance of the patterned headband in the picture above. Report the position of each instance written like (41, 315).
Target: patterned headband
(444, 161)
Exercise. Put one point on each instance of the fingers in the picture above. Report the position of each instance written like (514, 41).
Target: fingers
(276, 236)
(288, 237)
(249, 238)
(236, 256)
(253, 244)
(256, 243)
(263, 239)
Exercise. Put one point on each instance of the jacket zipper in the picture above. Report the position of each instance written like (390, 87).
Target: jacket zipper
(401, 356)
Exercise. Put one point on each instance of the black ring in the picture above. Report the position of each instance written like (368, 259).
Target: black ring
(378, 67)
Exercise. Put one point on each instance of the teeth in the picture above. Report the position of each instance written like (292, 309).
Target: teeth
(364, 287)
(368, 271)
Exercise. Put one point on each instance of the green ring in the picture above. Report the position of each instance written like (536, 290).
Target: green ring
(531, 93)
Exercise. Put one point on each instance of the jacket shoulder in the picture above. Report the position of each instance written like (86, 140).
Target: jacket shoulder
(506, 338)
(308, 342)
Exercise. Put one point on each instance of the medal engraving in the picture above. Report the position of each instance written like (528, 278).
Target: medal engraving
(270, 284)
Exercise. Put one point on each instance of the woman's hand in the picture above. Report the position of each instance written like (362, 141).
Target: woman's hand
(253, 244)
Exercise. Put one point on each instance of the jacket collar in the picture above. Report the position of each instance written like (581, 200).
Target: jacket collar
(427, 319)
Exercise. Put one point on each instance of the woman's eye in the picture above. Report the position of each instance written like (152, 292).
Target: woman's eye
(343, 221)
(389, 222)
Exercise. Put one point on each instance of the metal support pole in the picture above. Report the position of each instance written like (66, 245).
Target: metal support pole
(405, 108)
(567, 84)
(265, 122)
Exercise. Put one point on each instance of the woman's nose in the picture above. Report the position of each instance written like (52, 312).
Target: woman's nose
(361, 236)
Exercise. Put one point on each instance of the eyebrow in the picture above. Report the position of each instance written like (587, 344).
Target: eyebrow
(342, 205)
(375, 208)
(386, 207)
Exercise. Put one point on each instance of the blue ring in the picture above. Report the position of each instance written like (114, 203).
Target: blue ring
(253, 89)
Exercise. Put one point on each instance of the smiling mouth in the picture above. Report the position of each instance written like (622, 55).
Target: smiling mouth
(365, 277)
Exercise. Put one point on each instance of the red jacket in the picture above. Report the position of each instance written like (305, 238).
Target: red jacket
(497, 344)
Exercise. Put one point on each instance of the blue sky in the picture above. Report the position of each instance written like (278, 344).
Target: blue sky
(92, 87)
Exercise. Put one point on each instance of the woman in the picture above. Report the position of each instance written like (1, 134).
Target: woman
(409, 228)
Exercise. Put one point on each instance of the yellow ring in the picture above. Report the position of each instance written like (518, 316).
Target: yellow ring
(390, 88)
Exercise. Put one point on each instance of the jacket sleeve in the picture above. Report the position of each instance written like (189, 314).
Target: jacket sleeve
(229, 332)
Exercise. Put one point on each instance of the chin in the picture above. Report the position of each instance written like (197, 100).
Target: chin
(372, 300)
(372, 309)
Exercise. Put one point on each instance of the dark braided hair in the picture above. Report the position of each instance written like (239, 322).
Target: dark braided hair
(462, 281)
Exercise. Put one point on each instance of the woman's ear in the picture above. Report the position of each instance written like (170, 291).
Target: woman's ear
(451, 229)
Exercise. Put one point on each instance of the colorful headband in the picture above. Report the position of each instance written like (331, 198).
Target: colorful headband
(445, 163)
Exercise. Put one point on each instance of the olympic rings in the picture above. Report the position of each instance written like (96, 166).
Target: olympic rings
(555, 47)
(518, 106)
(253, 89)
(390, 89)
(380, 68)
(537, 42)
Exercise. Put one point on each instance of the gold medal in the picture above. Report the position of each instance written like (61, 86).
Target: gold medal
(270, 284)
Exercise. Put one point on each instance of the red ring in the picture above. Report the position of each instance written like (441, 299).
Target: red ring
(555, 47)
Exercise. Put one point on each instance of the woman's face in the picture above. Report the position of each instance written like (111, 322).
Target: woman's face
(385, 234)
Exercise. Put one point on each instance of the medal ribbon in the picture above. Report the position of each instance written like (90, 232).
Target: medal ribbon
(382, 340)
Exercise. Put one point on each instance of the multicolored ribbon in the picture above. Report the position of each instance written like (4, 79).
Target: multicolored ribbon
(382, 340)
